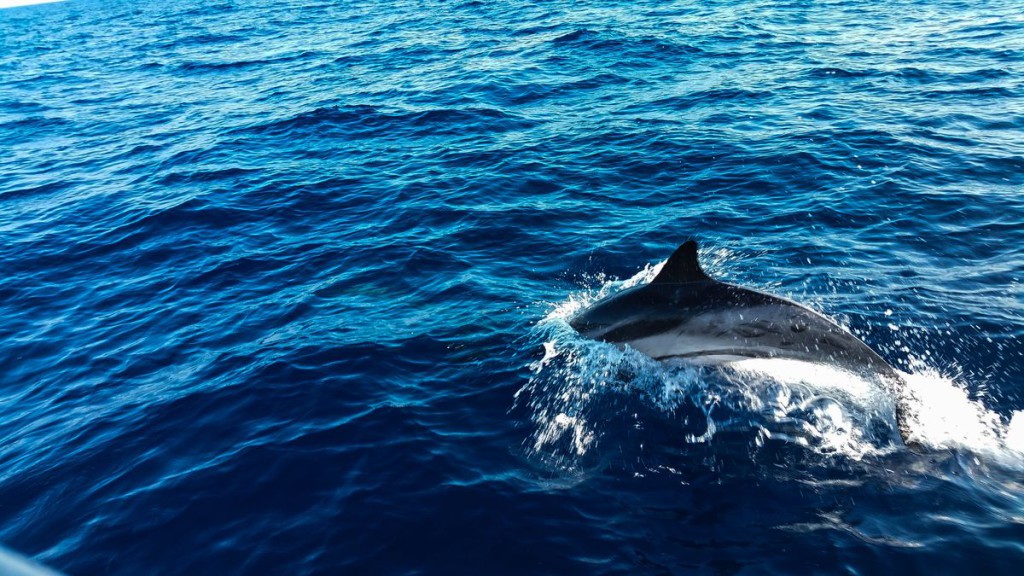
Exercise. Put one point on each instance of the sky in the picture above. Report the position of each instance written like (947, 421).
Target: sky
(13, 3)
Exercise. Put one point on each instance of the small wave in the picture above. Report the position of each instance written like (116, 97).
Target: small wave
(944, 81)
(205, 175)
(995, 92)
(43, 123)
(23, 106)
(357, 114)
(627, 46)
(599, 81)
(831, 72)
(205, 10)
(710, 97)
(136, 229)
(225, 65)
(956, 53)
(210, 38)
(222, 65)
(37, 190)
(353, 119)
(535, 29)
(575, 36)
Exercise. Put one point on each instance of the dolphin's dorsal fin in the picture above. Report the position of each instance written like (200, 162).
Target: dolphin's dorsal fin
(682, 266)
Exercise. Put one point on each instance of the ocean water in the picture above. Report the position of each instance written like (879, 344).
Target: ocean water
(284, 286)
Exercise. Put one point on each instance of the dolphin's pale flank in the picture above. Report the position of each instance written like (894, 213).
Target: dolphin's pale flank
(684, 314)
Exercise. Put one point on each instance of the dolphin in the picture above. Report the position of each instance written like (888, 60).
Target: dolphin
(684, 314)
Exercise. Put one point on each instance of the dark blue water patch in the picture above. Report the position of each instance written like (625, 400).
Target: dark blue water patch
(36, 124)
(369, 122)
(14, 105)
(621, 48)
(31, 191)
(991, 54)
(583, 36)
(233, 174)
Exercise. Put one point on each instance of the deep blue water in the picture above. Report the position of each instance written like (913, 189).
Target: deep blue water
(284, 285)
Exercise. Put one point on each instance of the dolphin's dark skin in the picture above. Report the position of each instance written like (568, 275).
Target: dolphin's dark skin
(685, 314)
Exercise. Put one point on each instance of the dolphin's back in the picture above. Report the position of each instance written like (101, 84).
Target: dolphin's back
(687, 315)
(684, 313)
(709, 319)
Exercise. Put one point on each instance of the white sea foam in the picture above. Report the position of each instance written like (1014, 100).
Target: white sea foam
(943, 416)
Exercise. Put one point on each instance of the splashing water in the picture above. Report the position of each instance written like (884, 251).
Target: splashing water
(945, 417)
